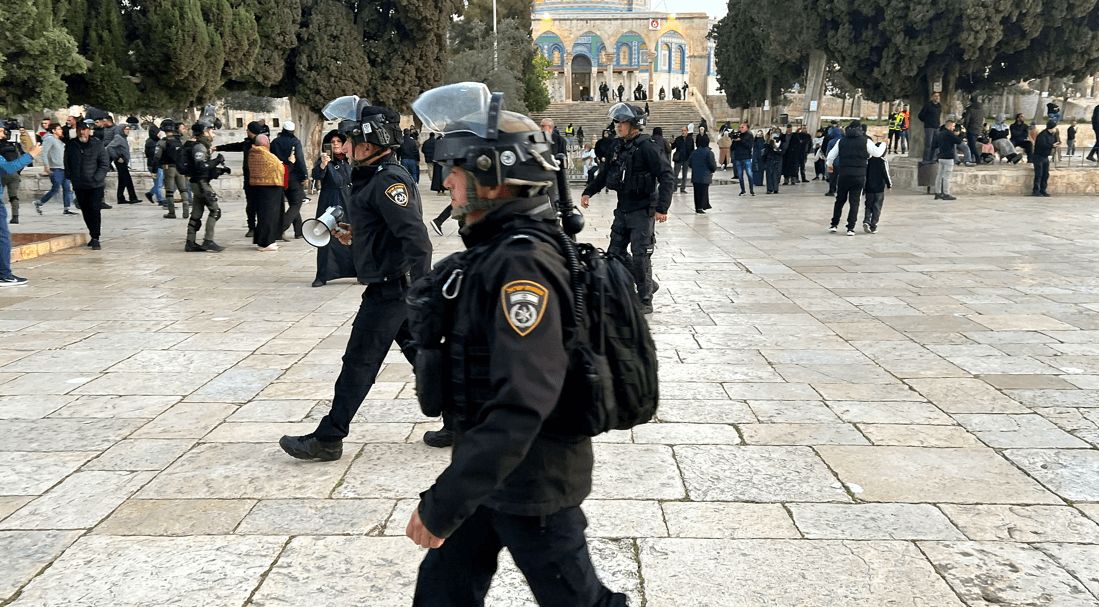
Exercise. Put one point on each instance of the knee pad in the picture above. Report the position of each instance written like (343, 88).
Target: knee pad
(194, 223)
(215, 214)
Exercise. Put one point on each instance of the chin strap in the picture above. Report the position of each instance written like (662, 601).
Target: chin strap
(370, 160)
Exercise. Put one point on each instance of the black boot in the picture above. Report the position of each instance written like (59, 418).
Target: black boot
(308, 447)
(14, 219)
(212, 246)
(439, 438)
(192, 247)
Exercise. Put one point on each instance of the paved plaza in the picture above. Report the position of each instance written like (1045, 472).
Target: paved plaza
(907, 418)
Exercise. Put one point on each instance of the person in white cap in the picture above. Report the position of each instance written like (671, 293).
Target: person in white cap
(288, 149)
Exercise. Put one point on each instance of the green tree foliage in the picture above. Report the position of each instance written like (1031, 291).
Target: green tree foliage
(406, 43)
(100, 35)
(278, 21)
(481, 10)
(535, 94)
(471, 58)
(35, 52)
(757, 41)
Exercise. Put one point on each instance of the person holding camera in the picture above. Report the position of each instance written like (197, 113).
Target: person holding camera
(333, 170)
(10, 151)
(204, 167)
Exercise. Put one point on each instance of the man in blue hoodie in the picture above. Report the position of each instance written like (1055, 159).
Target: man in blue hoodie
(10, 167)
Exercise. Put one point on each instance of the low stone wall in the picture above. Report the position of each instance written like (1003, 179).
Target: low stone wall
(26, 246)
(1002, 179)
(34, 183)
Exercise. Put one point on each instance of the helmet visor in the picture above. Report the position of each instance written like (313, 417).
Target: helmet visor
(623, 112)
(462, 107)
(342, 108)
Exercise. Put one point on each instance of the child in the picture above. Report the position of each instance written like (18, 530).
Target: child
(1071, 140)
(819, 165)
(877, 180)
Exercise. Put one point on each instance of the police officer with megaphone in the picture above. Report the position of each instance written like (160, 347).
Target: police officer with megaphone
(391, 249)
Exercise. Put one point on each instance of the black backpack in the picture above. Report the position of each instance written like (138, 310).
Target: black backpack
(171, 150)
(185, 158)
(611, 382)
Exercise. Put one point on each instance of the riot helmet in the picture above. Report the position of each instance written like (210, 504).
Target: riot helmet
(198, 128)
(624, 112)
(168, 125)
(495, 146)
(361, 122)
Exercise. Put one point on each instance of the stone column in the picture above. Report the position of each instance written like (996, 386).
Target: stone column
(568, 81)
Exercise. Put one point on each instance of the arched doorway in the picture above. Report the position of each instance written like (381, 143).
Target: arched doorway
(581, 77)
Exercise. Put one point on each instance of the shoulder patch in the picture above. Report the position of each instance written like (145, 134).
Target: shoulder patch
(524, 303)
(398, 193)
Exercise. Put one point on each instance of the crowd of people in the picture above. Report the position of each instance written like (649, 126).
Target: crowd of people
(607, 94)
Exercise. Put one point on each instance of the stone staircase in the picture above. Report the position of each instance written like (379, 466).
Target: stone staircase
(592, 115)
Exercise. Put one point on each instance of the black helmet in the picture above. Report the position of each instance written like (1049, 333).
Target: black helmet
(624, 112)
(495, 146)
(168, 125)
(198, 128)
(361, 122)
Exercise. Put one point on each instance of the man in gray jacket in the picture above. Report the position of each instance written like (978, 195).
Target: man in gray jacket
(53, 154)
(118, 151)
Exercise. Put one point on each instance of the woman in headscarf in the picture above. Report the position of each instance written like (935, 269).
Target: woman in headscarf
(1000, 134)
(334, 172)
(267, 175)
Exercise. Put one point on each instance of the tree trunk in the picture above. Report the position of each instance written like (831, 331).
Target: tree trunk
(1003, 102)
(843, 105)
(1040, 106)
(769, 107)
(814, 90)
(308, 129)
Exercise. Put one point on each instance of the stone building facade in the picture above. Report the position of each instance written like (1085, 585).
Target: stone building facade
(589, 42)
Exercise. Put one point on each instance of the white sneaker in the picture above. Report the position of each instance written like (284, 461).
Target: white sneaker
(833, 229)
(850, 232)
(866, 227)
(12, 281)
(274, 246)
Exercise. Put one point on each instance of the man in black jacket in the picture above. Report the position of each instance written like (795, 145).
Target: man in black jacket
(743, 144)
(410, 154)
(930, 116)
(682, 147)
(948, 155)
(288, 149)
(847, 160)
(643, 179)
(1044, 145)
(254, 130)
(86, 166)
(1020, 136)
(517, 475)
(391, 249)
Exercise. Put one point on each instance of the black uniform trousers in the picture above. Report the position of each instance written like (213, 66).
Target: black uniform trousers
(702, 196)
(551, 551)
(90, 201)
(848, 190)
(772, 170)
(872, 214)
(381, 320)
(125, 185)
(1041, 174)
(638, 230)
(250, 207)
(295, 196)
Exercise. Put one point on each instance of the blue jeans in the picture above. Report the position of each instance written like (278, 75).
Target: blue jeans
(58, 183)
(413, 168)
(5, 243)
(158, 185)
(743, 170)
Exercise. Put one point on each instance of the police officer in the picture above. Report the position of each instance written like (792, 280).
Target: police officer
(203, 165)
(390, 247)
(643, 179)
(166, 150)
(517, 476)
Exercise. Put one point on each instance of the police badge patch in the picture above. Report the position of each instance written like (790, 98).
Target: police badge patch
(398, 193)
(524, 302)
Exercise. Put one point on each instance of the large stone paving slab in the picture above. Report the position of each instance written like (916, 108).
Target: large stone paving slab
(780, 573)
(246, 470)
(757, 474)
(140, 571)
(917, 474)
(23, 553)
(1072, 474)
(991, 574)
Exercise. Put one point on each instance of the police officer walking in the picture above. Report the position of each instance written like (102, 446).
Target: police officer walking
(390, 247)
(643, 179)
(167, 150)
(517, 476)
(203, 165)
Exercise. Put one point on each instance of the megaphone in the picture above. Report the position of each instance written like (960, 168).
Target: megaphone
(318, 232)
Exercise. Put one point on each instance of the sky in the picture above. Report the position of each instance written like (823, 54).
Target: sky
(716, 8)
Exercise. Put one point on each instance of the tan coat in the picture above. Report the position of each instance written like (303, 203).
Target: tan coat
(264, 168)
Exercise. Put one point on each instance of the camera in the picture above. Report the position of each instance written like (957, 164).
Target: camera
(217, 167)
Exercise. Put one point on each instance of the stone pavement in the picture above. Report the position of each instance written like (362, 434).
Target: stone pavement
(908, 418)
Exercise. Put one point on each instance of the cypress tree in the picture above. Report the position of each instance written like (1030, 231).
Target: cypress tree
(35, 52)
